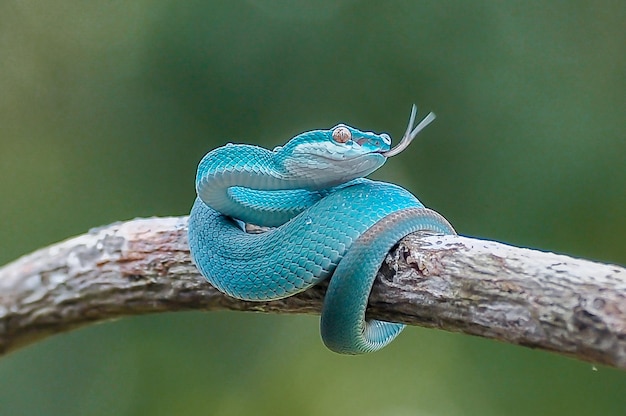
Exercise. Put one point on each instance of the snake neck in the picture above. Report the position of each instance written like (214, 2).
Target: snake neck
(251, 184)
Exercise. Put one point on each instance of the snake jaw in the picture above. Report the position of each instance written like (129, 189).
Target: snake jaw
(410, 133)
(324, 166)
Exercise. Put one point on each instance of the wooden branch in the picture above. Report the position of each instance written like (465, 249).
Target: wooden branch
(526, 297)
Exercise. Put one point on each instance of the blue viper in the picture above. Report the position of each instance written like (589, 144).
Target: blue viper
(330, 222)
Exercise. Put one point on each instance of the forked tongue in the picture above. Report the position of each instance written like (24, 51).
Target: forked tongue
(410, 133)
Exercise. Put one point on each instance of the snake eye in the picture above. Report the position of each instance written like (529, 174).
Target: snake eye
(341, 134)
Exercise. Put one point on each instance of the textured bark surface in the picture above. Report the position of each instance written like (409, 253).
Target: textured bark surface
(526, 297)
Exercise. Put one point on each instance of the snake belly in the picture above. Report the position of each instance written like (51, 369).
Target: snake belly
(342, 233)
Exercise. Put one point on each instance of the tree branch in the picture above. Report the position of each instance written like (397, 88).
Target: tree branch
(520, 296)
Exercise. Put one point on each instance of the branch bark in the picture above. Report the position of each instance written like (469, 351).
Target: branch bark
(520, 296)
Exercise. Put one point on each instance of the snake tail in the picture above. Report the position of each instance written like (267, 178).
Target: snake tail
(343, 325)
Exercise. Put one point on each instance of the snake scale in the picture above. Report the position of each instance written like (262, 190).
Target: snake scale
(329, 222)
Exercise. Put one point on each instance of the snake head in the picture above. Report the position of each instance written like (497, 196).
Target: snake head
(325, 158)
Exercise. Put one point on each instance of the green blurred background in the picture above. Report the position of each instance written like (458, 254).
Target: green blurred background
(107, 106)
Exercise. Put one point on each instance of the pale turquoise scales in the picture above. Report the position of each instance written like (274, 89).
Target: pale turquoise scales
(330, 222)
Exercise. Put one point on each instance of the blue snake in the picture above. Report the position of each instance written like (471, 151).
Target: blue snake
(329, 222)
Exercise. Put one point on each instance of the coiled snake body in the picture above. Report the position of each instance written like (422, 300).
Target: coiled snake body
(329, 221)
